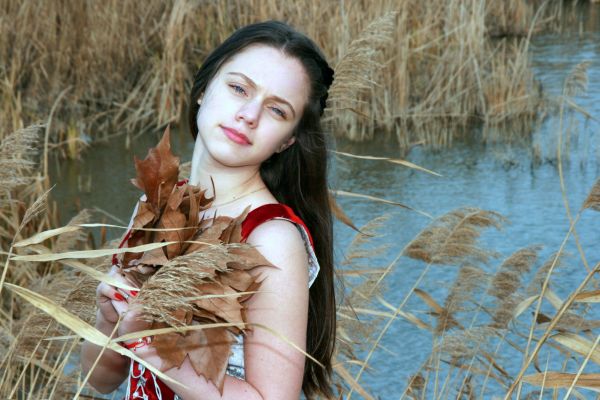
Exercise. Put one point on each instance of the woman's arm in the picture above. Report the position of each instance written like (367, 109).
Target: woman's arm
(112, 367)
(274, 369)
(272, 364)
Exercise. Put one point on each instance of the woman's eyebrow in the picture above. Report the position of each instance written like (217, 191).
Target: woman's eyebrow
(253, 84)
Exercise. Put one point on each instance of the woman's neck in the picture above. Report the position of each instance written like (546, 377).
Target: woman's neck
(222, 182)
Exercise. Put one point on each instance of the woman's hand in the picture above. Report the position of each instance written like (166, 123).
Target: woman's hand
(111, 368)
(114, 303)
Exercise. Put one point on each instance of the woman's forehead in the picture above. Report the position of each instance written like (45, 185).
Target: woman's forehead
(271, 70)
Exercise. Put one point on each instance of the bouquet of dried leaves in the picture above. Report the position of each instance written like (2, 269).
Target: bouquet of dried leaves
(203, 277)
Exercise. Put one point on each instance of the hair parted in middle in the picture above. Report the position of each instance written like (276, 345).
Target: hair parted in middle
(296, 177)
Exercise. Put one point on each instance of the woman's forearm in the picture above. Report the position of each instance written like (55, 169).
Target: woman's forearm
(197, 387)
(110, 370)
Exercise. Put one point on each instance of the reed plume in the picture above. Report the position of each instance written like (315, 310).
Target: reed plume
(508, 278)
(542, 272)
(451, 239)
(506, 284)
(17, 153)
(354, 72)
(464, 345)
(465, 289)
(577, 80)
(592, 200)
(167, 292)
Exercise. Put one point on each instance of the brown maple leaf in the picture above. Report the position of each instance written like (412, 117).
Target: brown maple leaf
(158, 172)
(211, 357)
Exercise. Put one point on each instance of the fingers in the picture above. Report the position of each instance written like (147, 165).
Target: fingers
(114, 303)
(106, 291)
(113, 293)
(132, 322)
(125, 295)
(111, 301)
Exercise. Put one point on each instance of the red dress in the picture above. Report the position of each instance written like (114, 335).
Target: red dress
(142, 384)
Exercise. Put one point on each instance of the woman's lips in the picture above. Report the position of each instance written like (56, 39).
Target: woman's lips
(236, 136)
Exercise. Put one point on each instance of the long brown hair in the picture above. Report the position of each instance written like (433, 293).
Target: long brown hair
(296, 177)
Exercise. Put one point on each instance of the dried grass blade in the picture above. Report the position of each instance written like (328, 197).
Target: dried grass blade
(379, 200)
(406, 315)
(553, 299)
(151, 332)
(40, 237)
(367, 311)
(361, 272)
(339, 213)
(99, 276)
(579, 345)
(100, 225)
(32, 361)
(221, 296)
(289, 342)
(524, 305)
(349, 379)
(81, 328)
(90, 253)
(562, 379)
(579, 108)
(429, 301)
(59, 338)
(162, 331)
(588, 297)
(61, 315)
(392, 160)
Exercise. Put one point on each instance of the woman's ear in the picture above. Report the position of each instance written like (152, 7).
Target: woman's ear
(200, 99)
(286, 144)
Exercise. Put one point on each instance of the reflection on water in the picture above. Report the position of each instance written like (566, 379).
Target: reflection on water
(500, 177)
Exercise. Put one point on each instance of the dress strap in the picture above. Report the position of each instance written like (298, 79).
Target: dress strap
(268, 212)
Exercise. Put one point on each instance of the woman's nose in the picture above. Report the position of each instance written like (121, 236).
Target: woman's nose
(249, 113)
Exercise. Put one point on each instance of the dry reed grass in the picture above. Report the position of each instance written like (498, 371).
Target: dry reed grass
(122, 67)
(485, 314)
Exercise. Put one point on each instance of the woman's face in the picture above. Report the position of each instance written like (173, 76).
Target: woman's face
(251, 107)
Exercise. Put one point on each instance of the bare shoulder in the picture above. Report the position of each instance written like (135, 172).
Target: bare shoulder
(281, 305)
(280, 242)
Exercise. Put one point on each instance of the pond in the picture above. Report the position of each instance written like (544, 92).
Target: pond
(503, 177)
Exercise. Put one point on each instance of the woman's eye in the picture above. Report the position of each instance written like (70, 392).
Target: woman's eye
(237, 88)
(279, 112)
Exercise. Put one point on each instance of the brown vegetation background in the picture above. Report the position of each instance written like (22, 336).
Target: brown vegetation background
(417, 71)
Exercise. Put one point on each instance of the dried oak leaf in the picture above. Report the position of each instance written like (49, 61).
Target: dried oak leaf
(212, 360)
(171, 219)
(247, 257)
(145, 216)
(208, 350)
(227, 307)
(158, 173)
(154, 257)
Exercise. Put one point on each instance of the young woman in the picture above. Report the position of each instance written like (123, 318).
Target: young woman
(255, 116)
